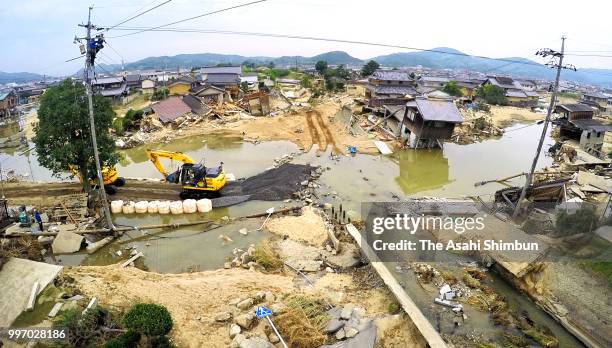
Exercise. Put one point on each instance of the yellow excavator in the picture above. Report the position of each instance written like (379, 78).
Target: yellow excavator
(197, 180)
(109, 175)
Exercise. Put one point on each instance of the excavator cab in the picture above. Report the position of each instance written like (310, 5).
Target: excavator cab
(196, 179)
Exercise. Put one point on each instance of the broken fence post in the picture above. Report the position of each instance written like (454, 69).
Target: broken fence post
(92, 304)
(56, 308)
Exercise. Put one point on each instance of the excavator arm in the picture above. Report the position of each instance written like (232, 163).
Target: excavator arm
(155, 155)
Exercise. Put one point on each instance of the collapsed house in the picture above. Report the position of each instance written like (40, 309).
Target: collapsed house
(225, 78)
(426, 123)
(170, 109)
(576, 123)
(257, 103)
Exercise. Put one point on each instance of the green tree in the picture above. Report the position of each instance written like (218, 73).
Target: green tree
(492, 94)
(321, 67)
(451, 88)
(244, 86)
(369, 68)
(62, 135)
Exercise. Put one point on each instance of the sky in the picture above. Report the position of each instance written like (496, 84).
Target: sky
(37, 35)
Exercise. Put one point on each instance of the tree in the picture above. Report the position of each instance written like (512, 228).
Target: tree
(321, 67)
(342, 73)
(148, 319)
(369, 68)
(62, 135)
(451, 88)
(492, 94)
(244, 86)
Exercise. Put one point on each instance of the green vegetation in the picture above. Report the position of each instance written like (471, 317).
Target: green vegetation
(266, 257)
(583, 220)
(492, 94)
(148, 319)
(569, 95)
(480, 123)
(62, 135)
(244, 87)
(160, 93)
(603, 268)
(321, 67)
(369, 68)
(85, 330)
(302, 325)
(543, 339)
(128, 122)
(306, 82)
(451, 88)
(483, 106)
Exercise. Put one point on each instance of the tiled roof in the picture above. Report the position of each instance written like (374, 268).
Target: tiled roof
(576, 107)
(591, 124)
(223, 79)
(236, 70)
(392, 89)
(438, 110)
(170, 109)
(391, 75)
(113, 92)
(107, 80)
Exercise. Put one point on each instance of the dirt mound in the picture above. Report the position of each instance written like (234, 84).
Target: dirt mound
(272, 185)
(188, 296)
(308, 227)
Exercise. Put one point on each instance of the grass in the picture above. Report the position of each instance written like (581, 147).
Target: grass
(266, 257)
(304, 322)
(570, 95)
(542, 338)
(602, 268)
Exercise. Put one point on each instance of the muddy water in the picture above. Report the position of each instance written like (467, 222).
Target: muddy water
(450, 172)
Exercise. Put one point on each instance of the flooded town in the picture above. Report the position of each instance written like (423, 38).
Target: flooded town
(411, 197)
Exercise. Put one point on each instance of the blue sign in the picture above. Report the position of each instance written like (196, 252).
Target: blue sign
(263, 312)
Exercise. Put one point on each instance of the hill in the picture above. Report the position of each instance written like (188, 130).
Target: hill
(19, 77)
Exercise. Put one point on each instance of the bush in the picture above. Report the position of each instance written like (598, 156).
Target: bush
(480, 123)
(148, 319)
(483, 106)
(583, 220)
(118, 126)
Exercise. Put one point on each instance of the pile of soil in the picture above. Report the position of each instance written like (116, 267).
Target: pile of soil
(272, 185)
(307, 228)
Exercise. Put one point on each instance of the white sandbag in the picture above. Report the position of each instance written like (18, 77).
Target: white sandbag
(176, 207)
(128, 207)
(116, 206)
(163, 207)
(152, 207)
(141, 207)
(189, 206)
(204, 205)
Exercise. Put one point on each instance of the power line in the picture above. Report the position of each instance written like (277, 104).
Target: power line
(138, 15)
(299, 37)
(192, 18)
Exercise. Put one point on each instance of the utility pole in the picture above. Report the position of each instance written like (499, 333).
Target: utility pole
(556, 62)
(93, 45)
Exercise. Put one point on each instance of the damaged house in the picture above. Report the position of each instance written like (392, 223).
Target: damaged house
(227, 78)
(169, 110)
(209, 94)
(390, 87)
(426, 123)
(576, 123)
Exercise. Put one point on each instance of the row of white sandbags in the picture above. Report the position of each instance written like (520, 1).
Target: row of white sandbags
(187, 206)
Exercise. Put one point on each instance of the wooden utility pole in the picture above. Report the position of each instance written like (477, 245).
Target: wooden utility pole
(558, 65)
